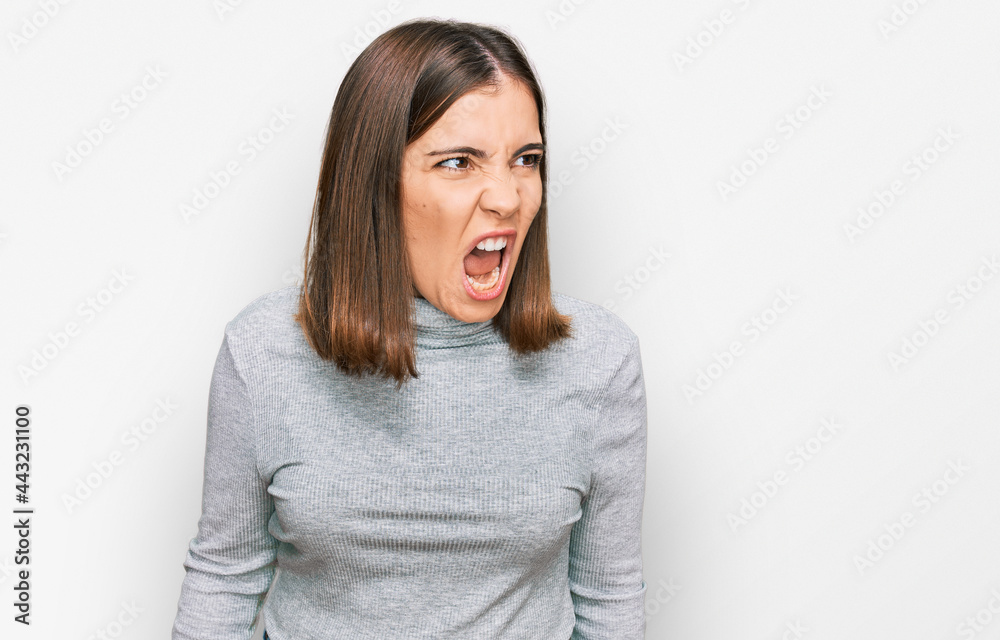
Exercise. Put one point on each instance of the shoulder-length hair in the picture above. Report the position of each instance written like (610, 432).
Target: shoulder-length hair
(356, 302)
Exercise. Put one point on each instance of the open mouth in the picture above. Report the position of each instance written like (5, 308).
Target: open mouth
(485, 267)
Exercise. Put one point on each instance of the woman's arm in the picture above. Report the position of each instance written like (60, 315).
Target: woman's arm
(230, 564)
(605, 556)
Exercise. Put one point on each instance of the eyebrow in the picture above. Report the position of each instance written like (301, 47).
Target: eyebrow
(480, 154)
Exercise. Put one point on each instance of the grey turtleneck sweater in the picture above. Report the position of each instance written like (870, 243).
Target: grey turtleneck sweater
(494, 497)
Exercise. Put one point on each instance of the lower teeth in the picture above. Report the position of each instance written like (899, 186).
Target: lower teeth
(489, 284)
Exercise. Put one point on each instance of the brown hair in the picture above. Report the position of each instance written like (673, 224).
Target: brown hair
(356, 300)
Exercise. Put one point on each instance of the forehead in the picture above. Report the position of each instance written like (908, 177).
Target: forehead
(484, 115)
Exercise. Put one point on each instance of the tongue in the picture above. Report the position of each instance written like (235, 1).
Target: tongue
(481, 261)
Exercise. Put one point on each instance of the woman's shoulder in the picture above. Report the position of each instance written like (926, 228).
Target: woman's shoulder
(596, 329)
(266, 320)
(592, 319)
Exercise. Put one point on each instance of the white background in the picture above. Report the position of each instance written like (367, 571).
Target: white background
(641, 225)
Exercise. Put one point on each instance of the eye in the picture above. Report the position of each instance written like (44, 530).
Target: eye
(456, 159)
(536, 160)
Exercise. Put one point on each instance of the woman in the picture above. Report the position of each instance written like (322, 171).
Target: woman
(418, 439)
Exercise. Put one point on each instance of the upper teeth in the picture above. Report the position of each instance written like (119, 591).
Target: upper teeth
(492, 244)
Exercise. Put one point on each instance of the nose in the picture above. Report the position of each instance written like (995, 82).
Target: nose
(500, 196)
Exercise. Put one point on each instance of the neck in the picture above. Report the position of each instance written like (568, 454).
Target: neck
(437, 329)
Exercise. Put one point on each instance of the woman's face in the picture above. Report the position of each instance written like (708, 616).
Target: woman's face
(474, 174)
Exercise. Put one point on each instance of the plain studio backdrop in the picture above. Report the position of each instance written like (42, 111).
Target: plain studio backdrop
(794, 205)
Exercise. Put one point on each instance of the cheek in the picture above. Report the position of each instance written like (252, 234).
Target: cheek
(531, 202)
(532, 193)
(428, 236)
(445, 219)
(454, 201)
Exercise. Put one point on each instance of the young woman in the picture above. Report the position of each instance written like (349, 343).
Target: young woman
(423, 440)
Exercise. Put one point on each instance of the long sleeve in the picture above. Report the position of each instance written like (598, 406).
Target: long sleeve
(605, 555)
(230, 564)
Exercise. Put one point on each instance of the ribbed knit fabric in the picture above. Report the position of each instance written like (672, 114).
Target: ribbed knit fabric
(494, 497)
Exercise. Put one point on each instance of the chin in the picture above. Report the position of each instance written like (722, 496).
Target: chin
(479, 310)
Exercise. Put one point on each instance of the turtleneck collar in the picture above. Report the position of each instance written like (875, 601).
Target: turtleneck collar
(438, 330)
